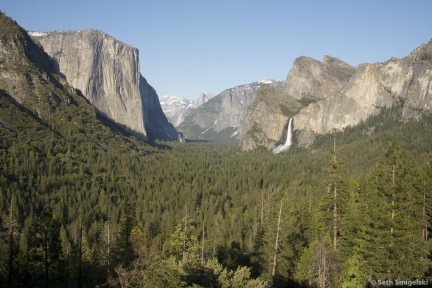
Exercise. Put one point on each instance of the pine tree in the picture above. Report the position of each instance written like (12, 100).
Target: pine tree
(393, 245)
(276, 248)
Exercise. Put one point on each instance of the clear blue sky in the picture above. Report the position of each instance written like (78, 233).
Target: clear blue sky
(191, 46)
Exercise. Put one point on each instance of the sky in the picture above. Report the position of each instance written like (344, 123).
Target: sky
(188, 47)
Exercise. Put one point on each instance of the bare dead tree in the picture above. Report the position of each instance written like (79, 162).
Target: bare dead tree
(185, 233)
(425, 218)
(335, 199)
(11, 225)
(202, 242)
(277, 242)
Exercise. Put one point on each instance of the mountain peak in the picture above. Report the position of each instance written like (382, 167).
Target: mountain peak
(174, 100)
(423, 52)
(330, 60)
(267, 81)
(18, 46)
(89, 33)
(315, 79)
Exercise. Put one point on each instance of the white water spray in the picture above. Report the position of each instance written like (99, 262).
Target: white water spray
(288, 141)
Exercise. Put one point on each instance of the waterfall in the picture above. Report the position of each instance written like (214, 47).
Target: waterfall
(288, 140)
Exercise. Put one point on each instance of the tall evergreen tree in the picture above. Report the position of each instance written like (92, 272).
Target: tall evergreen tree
(393, 246)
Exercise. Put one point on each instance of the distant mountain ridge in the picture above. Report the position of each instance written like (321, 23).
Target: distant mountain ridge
(107, 72)
(176, 108)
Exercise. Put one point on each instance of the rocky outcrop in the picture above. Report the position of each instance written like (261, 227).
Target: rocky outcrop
(27, 74)
(327, 95)
(314, 79)
(107, 72)
(307, 82)
(220, 117)
(204, 97)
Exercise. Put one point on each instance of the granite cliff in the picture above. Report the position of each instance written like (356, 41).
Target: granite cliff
(220, 117)
(373, 86)
(107, 72)
(327, 95)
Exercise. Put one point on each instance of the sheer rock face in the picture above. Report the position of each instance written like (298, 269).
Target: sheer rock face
(234, 104)
(327, 95)
(107, 73)
(263, 124)
(155, 121)
(220, 117)
(362, 97)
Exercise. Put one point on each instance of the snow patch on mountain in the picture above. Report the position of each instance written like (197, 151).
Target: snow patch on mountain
(267, 81)
(37, 34)
(176, 108)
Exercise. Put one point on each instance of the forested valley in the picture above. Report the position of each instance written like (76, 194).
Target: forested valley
(351, 209)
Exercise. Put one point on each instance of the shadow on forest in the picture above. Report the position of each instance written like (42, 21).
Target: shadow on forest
(128, 133)
(204, 277)
(234, 256)
(161, 146)
(280, 282)
(166, 146)
(197, 141)
(117, 127)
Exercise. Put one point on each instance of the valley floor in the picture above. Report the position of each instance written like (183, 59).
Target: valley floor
(209, 215)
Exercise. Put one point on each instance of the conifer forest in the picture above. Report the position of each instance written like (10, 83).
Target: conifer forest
(344, 212)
